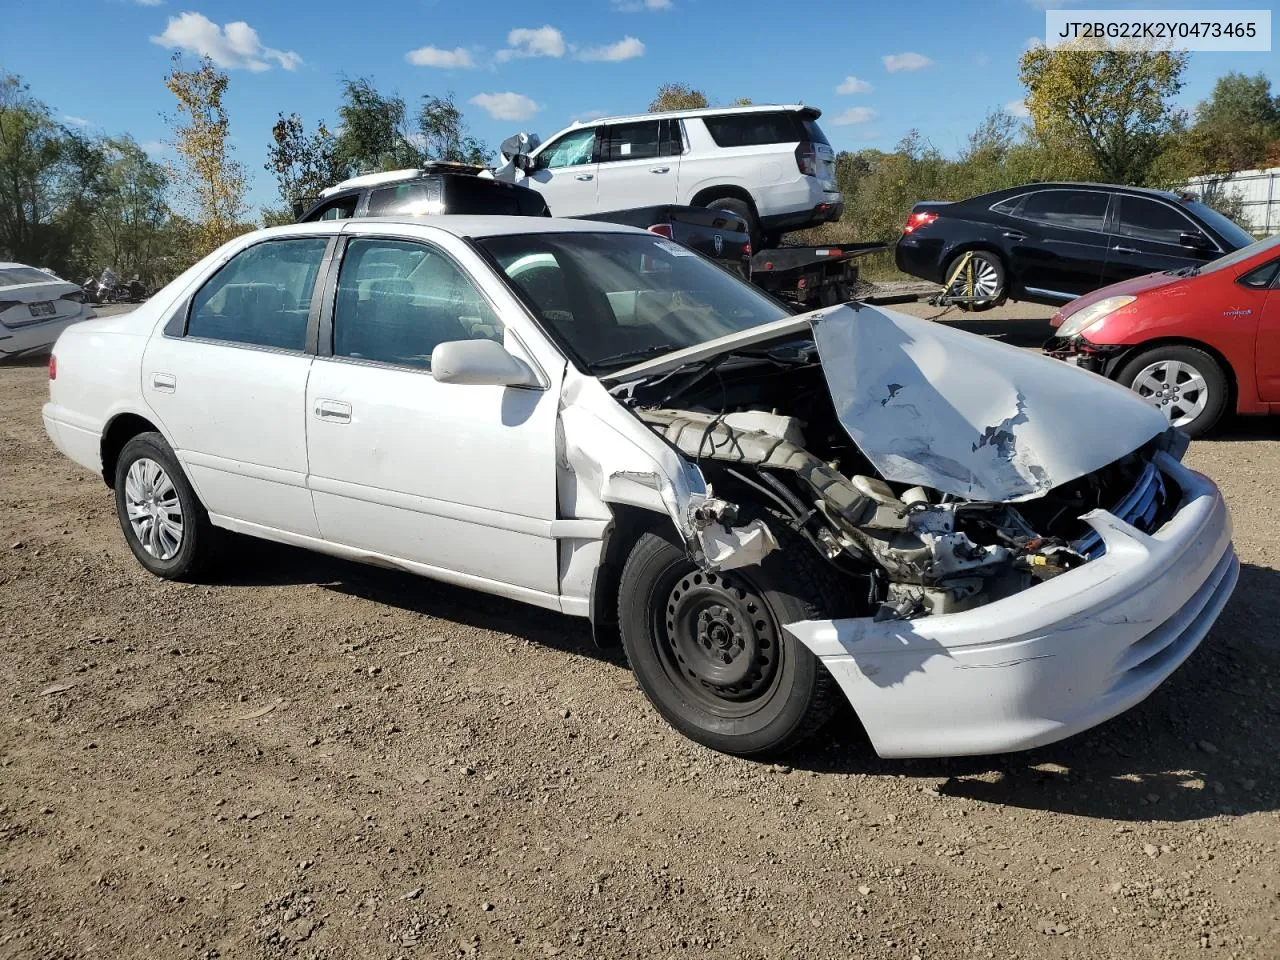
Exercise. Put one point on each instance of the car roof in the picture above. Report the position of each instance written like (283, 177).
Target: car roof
(1091, 185)
(470, 225)
(700, 112)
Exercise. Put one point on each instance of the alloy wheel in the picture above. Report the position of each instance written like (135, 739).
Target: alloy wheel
(1176, 389)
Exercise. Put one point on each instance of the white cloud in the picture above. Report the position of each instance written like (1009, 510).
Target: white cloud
(155, 148)
(1032, 43)
(639, 6)
(533, 42)
(234, 46)
(981, 59)
(628, 48)
(75, 121)
(506, 106)
(853, 85)
(1016, 108)
(588, 115)
(854, 115)
(428, 56)
(149, 3)
(906, 61)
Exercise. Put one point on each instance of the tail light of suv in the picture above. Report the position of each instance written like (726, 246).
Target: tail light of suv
(807, 159)
(662, 230)
(918, 220)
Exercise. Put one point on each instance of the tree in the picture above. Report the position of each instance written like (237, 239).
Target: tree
(443, 134)
(303, 164)
(210, 180)
(1236, 128)
(1114, 106)
(130, 213)
(677, 96)
(374, 136)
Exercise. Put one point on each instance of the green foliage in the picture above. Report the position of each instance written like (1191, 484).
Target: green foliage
(1113, 106)
(303, 164)
(677, 96)
(1237, 128)
(442, 134)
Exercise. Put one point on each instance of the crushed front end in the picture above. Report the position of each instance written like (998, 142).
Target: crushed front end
(1008, 579)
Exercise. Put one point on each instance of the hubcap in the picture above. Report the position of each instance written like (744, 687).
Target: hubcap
(155, 512)
(986, 282)
(720, 639)
(1176, 389)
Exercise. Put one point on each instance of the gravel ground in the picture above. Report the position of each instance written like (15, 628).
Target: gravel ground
(311, 758)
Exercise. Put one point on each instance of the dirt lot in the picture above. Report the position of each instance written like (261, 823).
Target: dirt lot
(310, 758)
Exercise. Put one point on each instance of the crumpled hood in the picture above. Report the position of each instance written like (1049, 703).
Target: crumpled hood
(935, 406)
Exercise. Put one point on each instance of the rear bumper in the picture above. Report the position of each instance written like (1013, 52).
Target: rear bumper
(75, 437)
(1051, 661)
(32, 337)
(826, 211)
(919, 257)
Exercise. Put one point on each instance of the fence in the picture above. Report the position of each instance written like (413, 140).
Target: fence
(1259, 192)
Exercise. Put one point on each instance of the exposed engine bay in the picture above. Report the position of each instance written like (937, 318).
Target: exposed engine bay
(762, 427)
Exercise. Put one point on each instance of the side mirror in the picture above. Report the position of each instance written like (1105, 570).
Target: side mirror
(525, 163)
(1196, 241)
(480, 363)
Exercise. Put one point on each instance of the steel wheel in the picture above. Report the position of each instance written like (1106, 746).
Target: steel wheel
(154, 510)
(721, 642)
(1175, 388)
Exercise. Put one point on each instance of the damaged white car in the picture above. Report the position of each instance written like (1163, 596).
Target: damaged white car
(983, 550)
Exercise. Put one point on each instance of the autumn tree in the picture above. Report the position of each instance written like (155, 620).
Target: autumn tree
(1114, 106)
(677, 96)
(209, 179)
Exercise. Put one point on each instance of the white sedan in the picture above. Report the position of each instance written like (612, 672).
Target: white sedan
(984, 550)
(35, 307)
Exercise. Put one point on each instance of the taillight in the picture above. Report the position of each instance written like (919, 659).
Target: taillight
(807, 159)
(746, 250)
(918, 220)
(662, 230)
(53, 367)
(76, 296)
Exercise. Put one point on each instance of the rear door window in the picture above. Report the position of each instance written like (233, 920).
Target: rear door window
(631, 141)
(262, 296)
(1069, 209)
(1144, 219)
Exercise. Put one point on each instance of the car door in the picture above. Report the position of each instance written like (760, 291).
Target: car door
(227, 381)
(1266, 279)
(451, 478)
(1058, 248)
(1151, 235)
(634, 168)
(565, 173)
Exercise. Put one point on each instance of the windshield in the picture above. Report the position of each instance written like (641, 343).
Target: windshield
(1241, 255)
(1227, 228)
(614, 299)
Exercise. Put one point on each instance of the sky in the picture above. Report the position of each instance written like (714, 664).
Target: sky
(875, 69)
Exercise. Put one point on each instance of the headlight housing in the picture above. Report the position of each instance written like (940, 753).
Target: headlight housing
(1082, 320)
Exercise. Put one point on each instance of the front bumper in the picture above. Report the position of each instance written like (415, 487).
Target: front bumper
(1051, 661)
(1096, 358)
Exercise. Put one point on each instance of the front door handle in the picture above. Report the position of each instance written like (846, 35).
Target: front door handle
(1014, 235)
(333, 411)
(659, 169)
(164, 382)
(1119, 249)
(585, 176)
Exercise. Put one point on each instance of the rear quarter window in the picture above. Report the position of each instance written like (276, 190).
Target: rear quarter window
(753, 129)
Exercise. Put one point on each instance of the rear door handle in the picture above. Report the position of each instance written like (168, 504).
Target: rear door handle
(164, 382)
(659, 169)
(1014, 235)
(1119, 249)
(585, 176)
(333, 411)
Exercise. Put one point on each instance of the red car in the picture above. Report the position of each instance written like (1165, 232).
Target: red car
(1192, 342)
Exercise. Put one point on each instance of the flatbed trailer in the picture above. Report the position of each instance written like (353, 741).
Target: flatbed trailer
(811, 277)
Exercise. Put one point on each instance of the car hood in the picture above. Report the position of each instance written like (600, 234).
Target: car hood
(932, 405)
(1130, 287)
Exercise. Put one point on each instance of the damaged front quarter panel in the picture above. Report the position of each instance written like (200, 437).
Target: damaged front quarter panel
(933, 406)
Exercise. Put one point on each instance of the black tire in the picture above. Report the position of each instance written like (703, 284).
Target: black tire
(983, 261)
(675, 620)
(198, 545)
(740, 208)
(1185, 364)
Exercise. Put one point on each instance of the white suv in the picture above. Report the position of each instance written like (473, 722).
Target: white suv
(770, 165)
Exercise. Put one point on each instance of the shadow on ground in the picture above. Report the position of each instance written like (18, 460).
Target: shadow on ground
(1202, 745)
